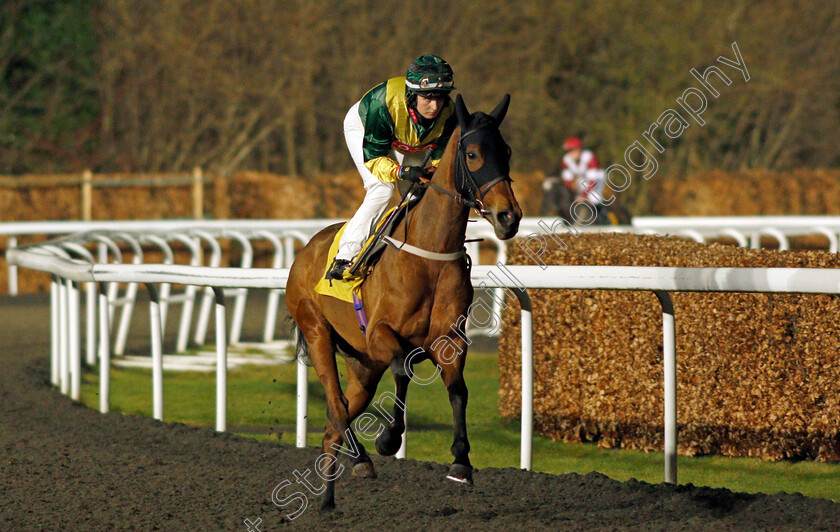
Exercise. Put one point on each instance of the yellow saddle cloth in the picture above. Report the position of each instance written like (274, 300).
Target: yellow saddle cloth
(340, 289)
(345, 288)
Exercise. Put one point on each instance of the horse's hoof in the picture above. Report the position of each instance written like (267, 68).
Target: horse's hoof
(364, 470)
(460, 473)
(388, 445)
(327, 507)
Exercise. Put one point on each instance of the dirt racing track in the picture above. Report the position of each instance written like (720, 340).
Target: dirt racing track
(64, 466)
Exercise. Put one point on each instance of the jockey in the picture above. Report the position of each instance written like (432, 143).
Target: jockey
(389, 133)
(581, 173)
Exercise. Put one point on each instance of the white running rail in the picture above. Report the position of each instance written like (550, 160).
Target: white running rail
(68, 272)
(745, 230)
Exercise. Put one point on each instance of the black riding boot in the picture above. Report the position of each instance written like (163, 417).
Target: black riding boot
(337, 269)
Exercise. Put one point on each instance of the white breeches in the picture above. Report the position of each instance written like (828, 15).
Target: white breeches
(590, 186)
(378, 193)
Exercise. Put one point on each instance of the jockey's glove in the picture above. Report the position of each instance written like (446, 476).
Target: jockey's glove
(413, 173)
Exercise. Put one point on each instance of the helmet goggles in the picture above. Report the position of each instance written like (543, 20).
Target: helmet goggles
(431, 83)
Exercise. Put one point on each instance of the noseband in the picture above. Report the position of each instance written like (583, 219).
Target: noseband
(469, 192)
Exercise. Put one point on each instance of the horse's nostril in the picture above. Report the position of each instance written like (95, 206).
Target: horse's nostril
(505, 217)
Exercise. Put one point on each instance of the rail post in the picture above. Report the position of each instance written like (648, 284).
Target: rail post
(198, 193)
(64, 335)
(104, 350)
(87, 195)
(527, 432)
(403, 450)
(75, 340)
(670, 381)
(157, 352)
(55, 331)
(302, 397)
(13, 269)
(221, 361)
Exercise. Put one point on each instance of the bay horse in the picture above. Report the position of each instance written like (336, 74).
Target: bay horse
(410, 300)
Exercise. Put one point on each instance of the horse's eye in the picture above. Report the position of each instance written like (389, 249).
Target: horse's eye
(472, 155)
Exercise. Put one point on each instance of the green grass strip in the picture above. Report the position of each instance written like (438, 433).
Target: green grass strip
(261, 404)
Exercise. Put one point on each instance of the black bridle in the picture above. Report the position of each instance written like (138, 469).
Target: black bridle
(467, 190)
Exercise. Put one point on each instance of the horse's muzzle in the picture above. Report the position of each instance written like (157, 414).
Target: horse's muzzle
(506, 223)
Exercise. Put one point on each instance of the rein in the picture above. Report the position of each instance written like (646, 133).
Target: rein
(414, 250)
(464, 179)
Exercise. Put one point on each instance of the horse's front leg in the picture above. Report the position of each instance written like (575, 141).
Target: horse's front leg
(322, 349)
(461, 468)
(385, 344)
(453, 377)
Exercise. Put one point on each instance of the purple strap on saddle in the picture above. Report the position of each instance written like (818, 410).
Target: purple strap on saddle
(360, 313)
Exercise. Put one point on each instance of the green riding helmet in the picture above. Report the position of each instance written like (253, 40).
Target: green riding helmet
(429, 74)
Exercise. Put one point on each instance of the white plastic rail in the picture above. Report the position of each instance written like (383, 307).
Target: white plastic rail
(741, 228)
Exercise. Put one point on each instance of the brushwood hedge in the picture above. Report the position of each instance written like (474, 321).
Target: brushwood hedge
(757, 374)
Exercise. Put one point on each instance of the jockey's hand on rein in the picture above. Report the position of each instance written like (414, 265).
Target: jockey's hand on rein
(414, 173)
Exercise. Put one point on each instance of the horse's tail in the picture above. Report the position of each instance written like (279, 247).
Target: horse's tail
(301, 347)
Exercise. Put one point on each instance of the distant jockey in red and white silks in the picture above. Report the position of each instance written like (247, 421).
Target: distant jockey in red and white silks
(581, 172)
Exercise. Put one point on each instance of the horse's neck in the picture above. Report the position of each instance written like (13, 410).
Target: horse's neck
(439, 222)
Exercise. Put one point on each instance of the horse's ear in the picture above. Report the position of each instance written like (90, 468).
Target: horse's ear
(461, 112)
(501, 110)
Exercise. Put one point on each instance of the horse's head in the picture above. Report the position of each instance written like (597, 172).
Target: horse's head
(482, 167)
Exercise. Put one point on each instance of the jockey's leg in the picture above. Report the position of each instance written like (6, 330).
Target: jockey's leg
(376, 198)
(595, 184)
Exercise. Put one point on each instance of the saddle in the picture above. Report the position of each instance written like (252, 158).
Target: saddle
(346, 288)
(384, 226)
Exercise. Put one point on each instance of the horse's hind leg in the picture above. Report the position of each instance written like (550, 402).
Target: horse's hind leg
(390, 440)
(317, 331)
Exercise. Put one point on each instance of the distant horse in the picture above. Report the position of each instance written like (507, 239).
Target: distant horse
(410, 300)
(560, 200)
